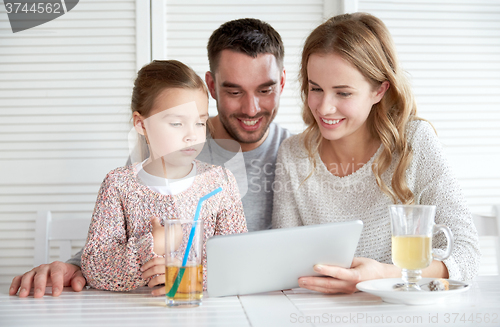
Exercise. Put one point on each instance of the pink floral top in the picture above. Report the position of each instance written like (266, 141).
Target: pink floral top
(120, 240)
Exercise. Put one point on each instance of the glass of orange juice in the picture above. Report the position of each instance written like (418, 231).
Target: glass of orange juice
(183, 262)
(412, 229)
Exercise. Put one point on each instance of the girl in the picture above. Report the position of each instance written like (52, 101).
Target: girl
(363, 149)
(170, 110)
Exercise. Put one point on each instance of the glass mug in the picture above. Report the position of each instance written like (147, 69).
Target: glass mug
(183, 272)
(412, 227)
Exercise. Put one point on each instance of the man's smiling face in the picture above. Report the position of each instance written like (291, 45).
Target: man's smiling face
(247, 91)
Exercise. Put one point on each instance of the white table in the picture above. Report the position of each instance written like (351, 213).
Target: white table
(295, 307)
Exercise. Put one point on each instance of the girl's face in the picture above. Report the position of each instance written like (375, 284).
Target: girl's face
(176, 126)
(340, 97)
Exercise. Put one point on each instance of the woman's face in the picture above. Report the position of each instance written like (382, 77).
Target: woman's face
(176, 126)
(340, 97)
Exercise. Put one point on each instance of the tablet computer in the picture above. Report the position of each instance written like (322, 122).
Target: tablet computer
(274, 259)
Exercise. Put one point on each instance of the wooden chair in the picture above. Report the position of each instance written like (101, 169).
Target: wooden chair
(488, 228)
(62, 230)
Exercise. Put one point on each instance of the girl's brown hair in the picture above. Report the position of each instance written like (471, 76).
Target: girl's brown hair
(151, 80)
(158, 75)
(365, 42)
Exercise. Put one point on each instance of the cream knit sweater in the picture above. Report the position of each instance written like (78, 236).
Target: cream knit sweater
(325, 197)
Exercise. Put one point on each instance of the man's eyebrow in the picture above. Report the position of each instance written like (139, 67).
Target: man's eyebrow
(234, 85)
(229, 84)
(335, 87)
(269, 83)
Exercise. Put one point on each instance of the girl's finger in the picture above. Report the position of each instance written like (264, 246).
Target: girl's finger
(155, 270)
(156, 261)
(159, 291)
(158, 280)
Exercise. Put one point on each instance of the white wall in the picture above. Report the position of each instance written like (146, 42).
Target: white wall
(64, 116)
(451, 50)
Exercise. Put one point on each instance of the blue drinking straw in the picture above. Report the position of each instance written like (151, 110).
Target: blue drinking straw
(178, 279)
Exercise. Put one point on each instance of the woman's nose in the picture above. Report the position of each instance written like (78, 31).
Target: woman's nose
(326, 106)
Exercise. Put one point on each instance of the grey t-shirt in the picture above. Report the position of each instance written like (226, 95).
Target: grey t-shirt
(254, 173)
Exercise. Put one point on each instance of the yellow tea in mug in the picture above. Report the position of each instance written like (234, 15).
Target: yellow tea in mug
(412, 252)
(191, 286)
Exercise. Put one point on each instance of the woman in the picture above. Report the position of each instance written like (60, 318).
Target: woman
(363, 149)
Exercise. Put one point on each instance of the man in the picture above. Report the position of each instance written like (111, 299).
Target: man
(246, 79)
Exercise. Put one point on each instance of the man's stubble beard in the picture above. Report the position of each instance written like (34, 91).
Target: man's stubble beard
(233, 132)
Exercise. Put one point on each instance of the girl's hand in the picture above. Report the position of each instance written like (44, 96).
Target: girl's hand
(344, 280)
(158, 236)
(155, 268)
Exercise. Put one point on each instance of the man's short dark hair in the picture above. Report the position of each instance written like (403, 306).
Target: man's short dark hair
(247, 35)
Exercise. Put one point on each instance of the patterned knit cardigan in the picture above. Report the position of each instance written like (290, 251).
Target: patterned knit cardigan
(120, 240)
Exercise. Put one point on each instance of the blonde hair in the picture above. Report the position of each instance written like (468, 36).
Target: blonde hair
(365, 42)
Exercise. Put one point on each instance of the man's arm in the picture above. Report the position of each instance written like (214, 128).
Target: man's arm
(76, 259)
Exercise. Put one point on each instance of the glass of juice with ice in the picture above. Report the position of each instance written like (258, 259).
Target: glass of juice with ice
(183, 262)
(412, 228)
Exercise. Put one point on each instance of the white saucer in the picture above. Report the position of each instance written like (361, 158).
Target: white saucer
(384, 289)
